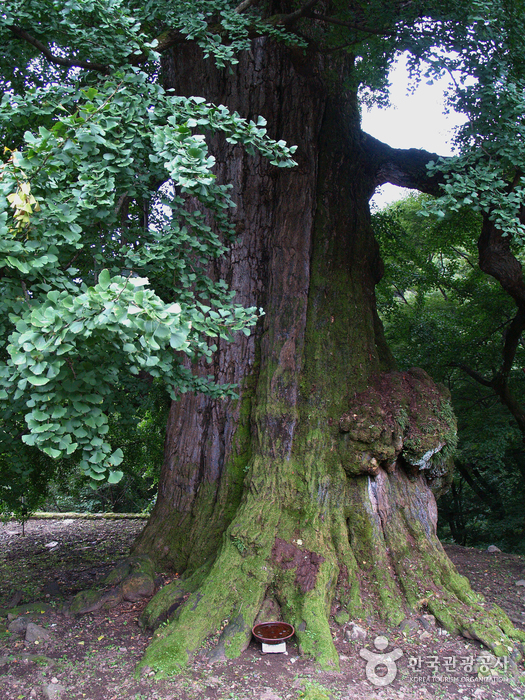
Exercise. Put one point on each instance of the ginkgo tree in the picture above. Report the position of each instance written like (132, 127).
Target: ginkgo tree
(311, 491)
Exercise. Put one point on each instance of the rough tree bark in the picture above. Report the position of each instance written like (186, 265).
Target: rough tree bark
(312, 491)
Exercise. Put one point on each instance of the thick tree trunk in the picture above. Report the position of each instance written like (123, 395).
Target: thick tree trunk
(311, 491)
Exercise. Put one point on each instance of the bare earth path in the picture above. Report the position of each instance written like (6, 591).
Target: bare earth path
(93, 657)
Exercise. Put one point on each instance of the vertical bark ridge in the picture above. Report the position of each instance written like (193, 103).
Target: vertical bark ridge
(268, 267)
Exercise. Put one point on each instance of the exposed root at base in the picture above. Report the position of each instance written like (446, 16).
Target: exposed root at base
(374, 556)
(132, 579)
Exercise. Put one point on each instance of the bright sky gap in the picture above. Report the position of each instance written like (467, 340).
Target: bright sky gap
(415, 120)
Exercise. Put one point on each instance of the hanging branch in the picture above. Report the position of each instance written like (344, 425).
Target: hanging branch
(58, 60)
(355, 26)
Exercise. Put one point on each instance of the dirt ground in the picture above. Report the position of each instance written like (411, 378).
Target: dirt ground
(94, 657)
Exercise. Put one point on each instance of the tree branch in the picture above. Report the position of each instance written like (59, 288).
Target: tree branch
(512, 339)
(293, 17)
(472, 373)
(497, 260)
(401, 167)
(464, 256)
(58, 60)
(481, 488)
(349, 25)
(499, 384)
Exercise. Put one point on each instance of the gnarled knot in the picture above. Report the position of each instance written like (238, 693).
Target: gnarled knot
(401, 419)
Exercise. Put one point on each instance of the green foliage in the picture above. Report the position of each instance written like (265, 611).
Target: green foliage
(139, 430)
(103, 251)
(443, 314)
(486, 66)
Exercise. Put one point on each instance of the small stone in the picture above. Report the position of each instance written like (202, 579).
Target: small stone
(51, 545)
(53, 691)
(425, 635)
(137, 586)
(408, 627)
(35, 633)
(493, 548)
(54, 680)
(427, 621)
(521, 582)
(355, 633)
(18, 625)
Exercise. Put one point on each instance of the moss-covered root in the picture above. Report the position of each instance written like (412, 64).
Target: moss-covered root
(132, 579)
(228, 599)
(163, 606)
(457, 607)
(309, 613)
(428, 578)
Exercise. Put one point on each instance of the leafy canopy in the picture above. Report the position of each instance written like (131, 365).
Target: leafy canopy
(103, 253)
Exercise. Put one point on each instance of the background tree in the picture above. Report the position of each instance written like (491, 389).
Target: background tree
(311, 490)
(443, 314)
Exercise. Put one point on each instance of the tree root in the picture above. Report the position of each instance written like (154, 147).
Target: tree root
(376, 554)
(421, 575)
(388, 557)
(132, 579)
(227, 602)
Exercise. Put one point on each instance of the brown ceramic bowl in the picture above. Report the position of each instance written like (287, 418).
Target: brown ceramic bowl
(273, 632)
